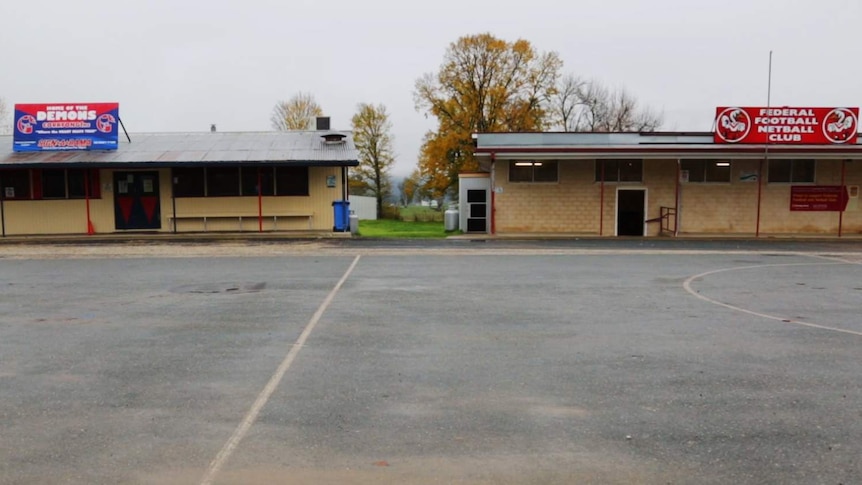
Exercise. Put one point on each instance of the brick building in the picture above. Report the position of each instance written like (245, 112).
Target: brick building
(649, 184)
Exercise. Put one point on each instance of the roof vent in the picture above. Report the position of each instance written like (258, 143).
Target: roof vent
(212, 128)
(333, 138)
(322, 123)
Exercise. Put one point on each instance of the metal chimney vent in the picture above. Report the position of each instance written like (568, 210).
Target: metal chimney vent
(333, 138)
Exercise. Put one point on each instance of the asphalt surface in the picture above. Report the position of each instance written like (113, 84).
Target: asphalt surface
(426, 367)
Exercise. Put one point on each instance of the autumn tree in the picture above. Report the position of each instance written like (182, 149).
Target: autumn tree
(297, 113)
(485, 84)
(371, 133)
(579, 105)
(409, 187)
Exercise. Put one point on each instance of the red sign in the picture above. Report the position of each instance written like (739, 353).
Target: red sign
(818, 198)
(791, 126)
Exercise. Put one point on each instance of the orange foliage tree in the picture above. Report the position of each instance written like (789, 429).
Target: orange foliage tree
(297, 113)
(484, 85)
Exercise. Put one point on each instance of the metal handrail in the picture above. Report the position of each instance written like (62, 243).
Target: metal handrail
(668, 220)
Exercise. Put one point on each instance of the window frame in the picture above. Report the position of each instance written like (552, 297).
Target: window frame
(53, 179)
(793, 163)
(248, 181)
(301, 189)
(618, 162)
(77, 191)
(521, 166)
(188, 189)
(223, 181)
(23, 178)
(704, 172)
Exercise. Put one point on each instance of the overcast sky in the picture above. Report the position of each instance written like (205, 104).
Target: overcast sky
(181, 65)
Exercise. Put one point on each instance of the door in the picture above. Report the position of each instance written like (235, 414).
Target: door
(477, 207)
(136, 200)
(630, 212)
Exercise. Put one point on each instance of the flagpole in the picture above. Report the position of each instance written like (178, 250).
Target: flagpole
(765, 149)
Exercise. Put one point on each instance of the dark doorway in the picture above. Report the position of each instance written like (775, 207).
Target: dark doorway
(136, 200)
(477, 205)
(630, 212)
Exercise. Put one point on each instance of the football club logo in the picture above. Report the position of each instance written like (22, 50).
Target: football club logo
(105, 123)
(840, 125)
(25, 124)
(732, 125)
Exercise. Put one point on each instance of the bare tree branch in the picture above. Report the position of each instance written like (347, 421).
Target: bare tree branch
(297, 113)
(579, 105)
(5, 118)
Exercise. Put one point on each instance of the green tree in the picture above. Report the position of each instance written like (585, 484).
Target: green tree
(371, 133)
(297, 113)
(485, 84)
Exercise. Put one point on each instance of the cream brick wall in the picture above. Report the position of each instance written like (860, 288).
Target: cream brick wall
(777, 217)
(732, 208)
(568, 206)
(720, 208)
(23, 217)
(573, 204)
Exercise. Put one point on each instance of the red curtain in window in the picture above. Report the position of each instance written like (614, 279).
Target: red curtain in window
(95, 186)
(36, 180)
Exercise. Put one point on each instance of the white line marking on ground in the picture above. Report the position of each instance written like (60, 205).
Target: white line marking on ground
(250, 417)
(688, 288)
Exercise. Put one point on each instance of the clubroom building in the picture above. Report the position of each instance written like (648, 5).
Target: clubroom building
(764, 171)
(173, 182)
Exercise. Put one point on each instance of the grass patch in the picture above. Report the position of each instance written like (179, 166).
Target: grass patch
(401, 229)
(420, 214)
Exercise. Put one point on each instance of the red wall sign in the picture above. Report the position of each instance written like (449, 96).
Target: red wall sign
(818, 198)
(806, 126)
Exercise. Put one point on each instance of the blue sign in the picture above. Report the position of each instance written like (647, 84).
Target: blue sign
(72, 126)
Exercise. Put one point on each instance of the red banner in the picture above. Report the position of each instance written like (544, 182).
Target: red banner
(818, 198)
(791, 126)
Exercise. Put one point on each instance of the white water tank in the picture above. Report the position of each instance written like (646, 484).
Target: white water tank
(354, 223)
(450, 219)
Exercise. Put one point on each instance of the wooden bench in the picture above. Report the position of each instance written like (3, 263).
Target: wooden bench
(239, 217)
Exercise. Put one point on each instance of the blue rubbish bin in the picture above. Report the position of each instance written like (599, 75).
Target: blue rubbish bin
(341, 210)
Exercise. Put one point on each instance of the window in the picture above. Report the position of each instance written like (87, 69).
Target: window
(239, 181)
(189, 182)
(76, 181)
(291, 181)
(791, 171)
(15, 184)
(525, 171)
(222, 181)
(249, 177)
(707, 170)
(66, 184)
(620, 170)
(53, 184)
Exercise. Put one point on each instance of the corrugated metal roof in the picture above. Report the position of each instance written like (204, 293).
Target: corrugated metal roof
(644, 145)
(299, 147)
(559, 139)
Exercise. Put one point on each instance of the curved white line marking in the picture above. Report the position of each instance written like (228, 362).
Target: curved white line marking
(263, 397)
(688, 288)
